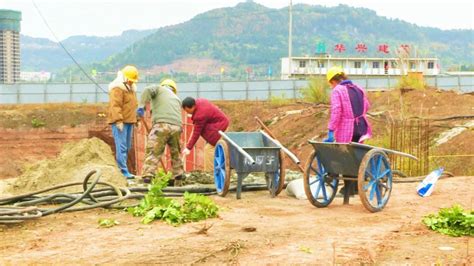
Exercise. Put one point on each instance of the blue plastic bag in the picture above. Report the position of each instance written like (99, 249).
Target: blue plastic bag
(425, 188)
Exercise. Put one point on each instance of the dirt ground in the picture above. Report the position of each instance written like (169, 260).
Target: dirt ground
(288, 231)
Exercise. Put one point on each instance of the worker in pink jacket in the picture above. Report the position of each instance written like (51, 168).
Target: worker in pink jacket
(349, 105)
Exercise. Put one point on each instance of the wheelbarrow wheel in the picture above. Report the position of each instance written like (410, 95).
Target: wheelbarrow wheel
(374, 180)
(222, 168)
(276, 182)
(319, 187)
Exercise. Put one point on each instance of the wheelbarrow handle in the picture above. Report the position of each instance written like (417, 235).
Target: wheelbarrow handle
(285, 150)
(244, 153)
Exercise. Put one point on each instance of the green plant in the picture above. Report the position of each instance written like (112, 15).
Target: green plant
(108, 223)
(279, 100)
(317, 91)
(452, 221)
(154, 206)
(36, 123)
(411, 82)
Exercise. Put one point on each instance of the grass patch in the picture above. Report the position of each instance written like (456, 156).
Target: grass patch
(37, 123)
(411, 82)
(280, 100)
(317, 91)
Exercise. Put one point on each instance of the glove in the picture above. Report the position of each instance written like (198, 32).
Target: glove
(186, 152)
(141, 112)
(119, 125)
(330, 137)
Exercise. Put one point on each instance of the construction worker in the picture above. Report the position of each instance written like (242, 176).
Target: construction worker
(166, 130)
(208, 120)
(349, 105)
(122, 114)
(348, 122)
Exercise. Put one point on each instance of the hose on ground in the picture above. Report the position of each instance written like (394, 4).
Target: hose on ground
(34, 205)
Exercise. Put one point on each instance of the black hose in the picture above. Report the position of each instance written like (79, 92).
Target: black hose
(23, 207)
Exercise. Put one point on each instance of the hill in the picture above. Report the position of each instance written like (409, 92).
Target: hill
(39, 54)
(250, 34)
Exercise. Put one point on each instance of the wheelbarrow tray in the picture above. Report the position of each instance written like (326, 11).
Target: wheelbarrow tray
(345, 158)
(264, 152)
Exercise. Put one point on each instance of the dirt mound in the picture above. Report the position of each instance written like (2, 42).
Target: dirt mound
(72, 165)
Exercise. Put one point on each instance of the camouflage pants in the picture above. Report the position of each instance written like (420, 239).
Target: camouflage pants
(163, 134)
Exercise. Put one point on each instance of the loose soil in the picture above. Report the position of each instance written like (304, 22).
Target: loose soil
(74, 162)
(254, 230)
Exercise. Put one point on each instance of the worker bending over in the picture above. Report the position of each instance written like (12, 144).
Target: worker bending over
(208, 120)
(166, 130)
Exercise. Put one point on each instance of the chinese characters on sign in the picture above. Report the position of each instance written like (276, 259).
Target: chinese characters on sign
(383, 48)
(321, 48)
(339, 48)
(361, 48)
(261, 159)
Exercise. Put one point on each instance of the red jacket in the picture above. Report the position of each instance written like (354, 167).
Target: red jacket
(208, 119)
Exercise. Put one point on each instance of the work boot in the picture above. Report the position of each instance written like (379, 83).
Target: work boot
(146, 179)
(178, 181)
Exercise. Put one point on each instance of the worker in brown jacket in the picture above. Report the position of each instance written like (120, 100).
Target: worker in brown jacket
(122, 114)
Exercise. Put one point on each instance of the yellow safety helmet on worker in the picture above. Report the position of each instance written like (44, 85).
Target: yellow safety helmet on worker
(130, 73)
(334, 71)
(170, 83)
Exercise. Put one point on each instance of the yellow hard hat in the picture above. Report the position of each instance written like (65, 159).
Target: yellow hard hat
(170, 83)
(333, 71)
(130, 73)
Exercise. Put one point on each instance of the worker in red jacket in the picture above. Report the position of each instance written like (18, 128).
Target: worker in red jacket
(208, 120)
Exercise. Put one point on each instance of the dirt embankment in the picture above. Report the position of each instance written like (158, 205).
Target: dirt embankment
(292, 122)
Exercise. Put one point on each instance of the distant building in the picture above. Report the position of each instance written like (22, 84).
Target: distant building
(9, 46)
(35, 76)
(302, 67)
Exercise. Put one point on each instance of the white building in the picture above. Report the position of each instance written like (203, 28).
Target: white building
(302, 67)
(35, 76)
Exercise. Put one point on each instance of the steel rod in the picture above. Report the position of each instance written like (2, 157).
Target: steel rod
(285, 150)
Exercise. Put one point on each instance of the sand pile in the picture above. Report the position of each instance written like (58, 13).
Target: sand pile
(72, 165)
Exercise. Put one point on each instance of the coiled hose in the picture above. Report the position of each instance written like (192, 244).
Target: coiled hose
(23, 207)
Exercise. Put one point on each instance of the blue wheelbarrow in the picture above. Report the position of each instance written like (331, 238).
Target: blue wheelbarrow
(355, 163)
(247, 152)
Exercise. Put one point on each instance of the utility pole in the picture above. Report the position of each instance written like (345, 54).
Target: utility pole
(290, 36)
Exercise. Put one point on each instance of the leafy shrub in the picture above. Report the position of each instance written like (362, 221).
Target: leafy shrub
(317, 91)
(411, 82)
(452, 221)
(154, 206)
(36, 123)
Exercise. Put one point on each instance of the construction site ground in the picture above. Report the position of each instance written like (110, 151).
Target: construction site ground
(286, 230)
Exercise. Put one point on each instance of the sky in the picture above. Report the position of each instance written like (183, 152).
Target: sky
(112, 17)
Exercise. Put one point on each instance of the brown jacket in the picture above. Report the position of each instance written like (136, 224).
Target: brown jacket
(122, 103)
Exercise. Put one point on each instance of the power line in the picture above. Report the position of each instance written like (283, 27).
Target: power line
(64, 48)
